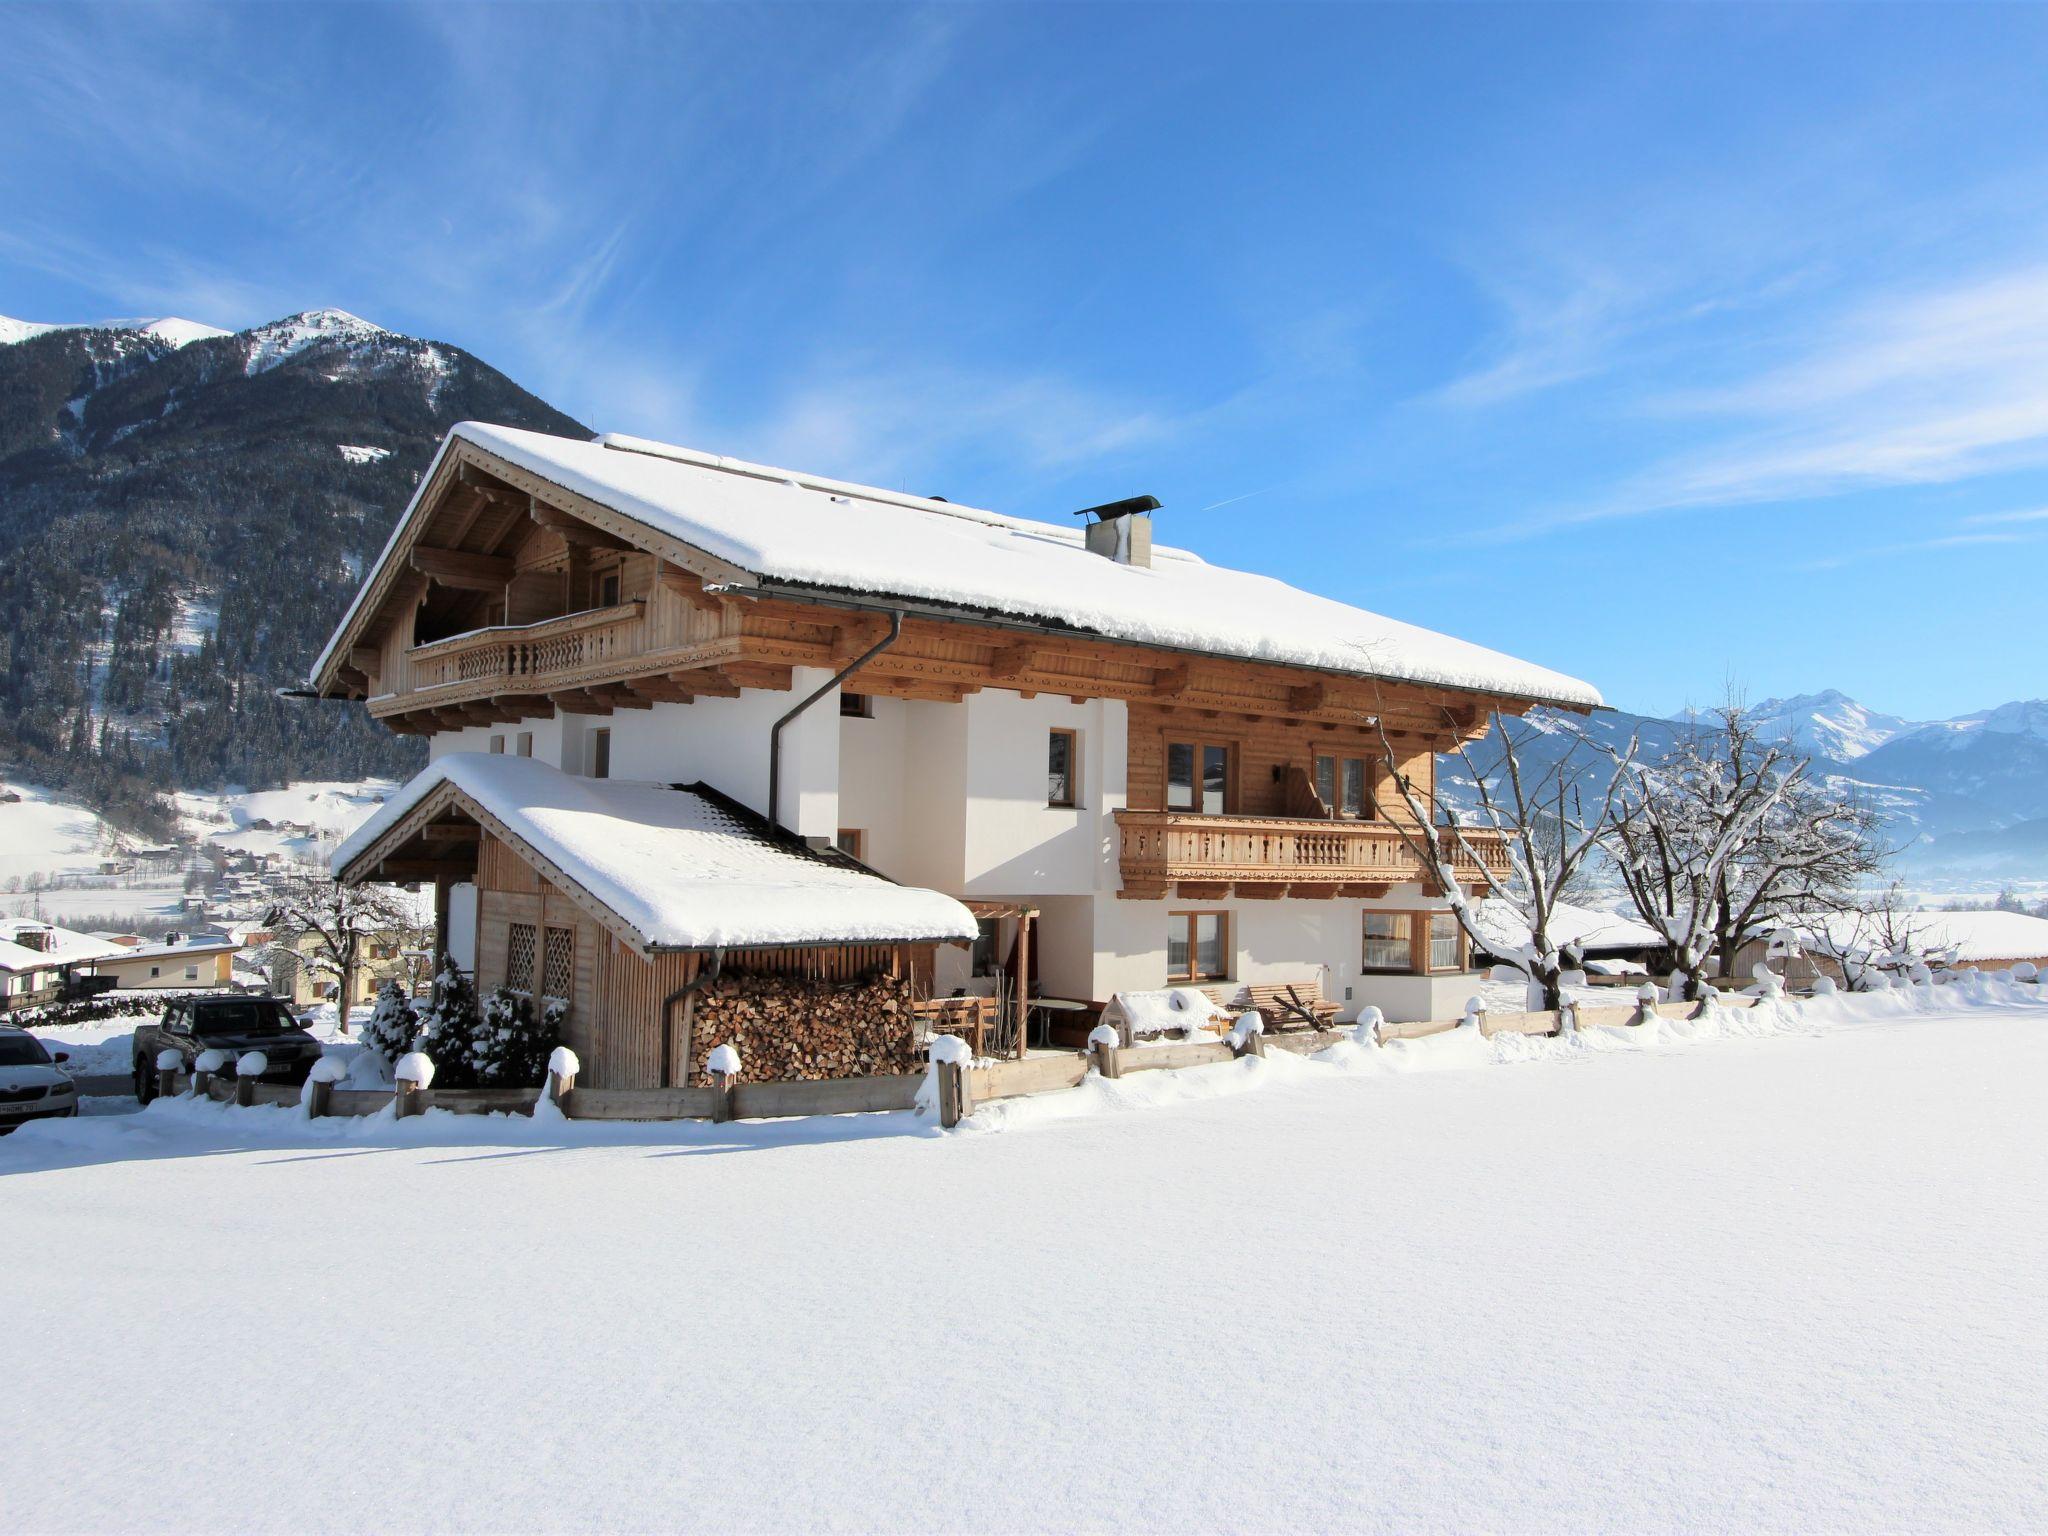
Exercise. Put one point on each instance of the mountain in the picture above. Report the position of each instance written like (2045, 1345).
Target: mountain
(1964, 798)
(186, 512)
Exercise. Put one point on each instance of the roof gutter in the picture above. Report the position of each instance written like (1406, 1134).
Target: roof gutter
(775, 733)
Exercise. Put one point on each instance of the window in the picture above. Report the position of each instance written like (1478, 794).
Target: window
(191, 973)
(1197, 946)
(1389, 942)
(1446, 943)
(601, 754)
(851, 841)
(1060, 770)
(1185, 791)
(155, 971)
(1340, 785)
(526, 743)
(856, 706)
(498, 745)
(558, 973)
(608, 590)
(986, 932)
(519, 947)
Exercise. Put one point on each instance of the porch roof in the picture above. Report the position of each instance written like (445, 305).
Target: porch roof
(666, 867)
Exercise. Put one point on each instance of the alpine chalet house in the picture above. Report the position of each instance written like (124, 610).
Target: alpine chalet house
(691, 717)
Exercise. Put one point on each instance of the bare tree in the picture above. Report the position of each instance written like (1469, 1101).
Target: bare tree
(1548, 821)
(1869, 936)
(1809, 852)
(324, 926)
(1730, 837)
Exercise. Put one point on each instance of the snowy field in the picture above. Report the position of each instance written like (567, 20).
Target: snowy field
(1784, 1275)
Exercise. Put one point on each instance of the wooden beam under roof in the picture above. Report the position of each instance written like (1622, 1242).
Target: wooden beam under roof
(460, 569)
(573, 529)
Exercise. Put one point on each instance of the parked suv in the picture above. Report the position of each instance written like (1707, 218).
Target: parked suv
(32, 1084)
(229, 1021)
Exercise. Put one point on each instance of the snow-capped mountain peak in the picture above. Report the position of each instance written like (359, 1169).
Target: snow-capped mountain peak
(170, 328)
(1828, 724)
(2022, 717)
(272, 344)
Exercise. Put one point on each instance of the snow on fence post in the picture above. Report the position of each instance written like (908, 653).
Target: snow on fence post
(562, 1065)
(1248, 1035)
(413, 1073)
(1104, 1041)
(723, 1066)
(249, 1066)
(1567, 1017)
(317, 1097)
(1475, 1014)
(204, 1066)
(1367, 1030)
(949, 1056)
(1646, 1003)
(167, 1063)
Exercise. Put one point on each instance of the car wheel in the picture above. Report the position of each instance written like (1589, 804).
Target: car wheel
(145, 1084)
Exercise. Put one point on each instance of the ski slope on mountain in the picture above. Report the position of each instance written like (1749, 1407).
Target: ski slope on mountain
(1648, 1283)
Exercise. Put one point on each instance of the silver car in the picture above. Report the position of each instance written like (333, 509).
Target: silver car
(33, 1086)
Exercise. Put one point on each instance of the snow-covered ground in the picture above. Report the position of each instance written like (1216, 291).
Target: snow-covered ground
(1783, 1276)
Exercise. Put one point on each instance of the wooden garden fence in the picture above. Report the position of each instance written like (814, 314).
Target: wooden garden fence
(961, 1086)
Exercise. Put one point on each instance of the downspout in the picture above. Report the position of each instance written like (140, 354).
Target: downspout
(775, 733)
(683, 994)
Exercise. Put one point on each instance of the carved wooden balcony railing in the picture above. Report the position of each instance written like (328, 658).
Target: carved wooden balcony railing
(516, 661)
(1272, 855)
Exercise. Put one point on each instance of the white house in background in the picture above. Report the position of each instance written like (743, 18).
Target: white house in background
(35, 955)
(1139, 768)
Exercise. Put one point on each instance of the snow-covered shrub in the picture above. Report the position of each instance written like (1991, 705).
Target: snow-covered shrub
(394, 1024)
(1367, 1030)
(510, 1048)
(2026, 970)
(448, 1026)
(1824, 986)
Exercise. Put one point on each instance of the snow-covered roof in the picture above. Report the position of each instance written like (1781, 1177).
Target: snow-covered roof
(178, 951)
(1507, 933)
(679, 868)
(830, 536)
(1978, 937)
(65, 946)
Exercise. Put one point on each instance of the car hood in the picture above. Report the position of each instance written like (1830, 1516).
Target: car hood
(32, 1077)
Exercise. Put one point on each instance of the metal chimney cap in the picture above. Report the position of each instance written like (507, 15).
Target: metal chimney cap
(1124, 508)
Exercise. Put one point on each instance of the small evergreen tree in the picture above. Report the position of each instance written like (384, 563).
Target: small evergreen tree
(512, 1048)
(449, 1026)
(394, 1024)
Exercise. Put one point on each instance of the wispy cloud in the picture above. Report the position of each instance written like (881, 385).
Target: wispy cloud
(1905, 547)
(1922, 387)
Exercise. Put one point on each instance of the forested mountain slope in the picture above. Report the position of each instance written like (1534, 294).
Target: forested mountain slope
(184, 515)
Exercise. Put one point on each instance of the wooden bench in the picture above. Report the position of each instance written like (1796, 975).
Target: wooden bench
(1271, 1002)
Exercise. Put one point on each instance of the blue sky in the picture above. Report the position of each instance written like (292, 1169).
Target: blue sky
(1672, 347)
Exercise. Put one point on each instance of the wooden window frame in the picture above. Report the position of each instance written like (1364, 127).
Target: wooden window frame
(1233, 759)
(611, 585)
(856, 706)
(1370, 969)
(1073, 796)
(1425, 946)
(1195, 977)
(1339, 760)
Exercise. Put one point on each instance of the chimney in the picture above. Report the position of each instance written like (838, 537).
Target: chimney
(1122, 530)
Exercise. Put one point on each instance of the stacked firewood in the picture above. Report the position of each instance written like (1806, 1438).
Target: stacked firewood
(786, 1027)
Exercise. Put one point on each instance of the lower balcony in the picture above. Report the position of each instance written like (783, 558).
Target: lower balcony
(1186, 853)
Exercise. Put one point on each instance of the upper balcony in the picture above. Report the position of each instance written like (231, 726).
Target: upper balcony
(1165, 853)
